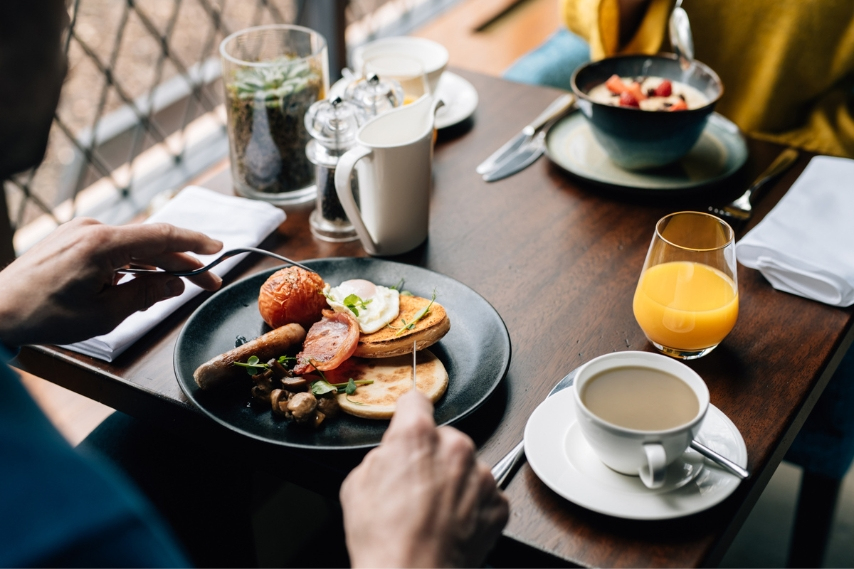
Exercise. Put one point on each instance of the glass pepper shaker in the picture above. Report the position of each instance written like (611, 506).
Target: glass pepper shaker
(375, 95)
(332, 125)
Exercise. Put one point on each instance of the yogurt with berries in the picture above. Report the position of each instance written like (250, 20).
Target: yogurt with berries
(648, 94)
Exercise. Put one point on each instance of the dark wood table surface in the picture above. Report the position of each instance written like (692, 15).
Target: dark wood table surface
(559, 259)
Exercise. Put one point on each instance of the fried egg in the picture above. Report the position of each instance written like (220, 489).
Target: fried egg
(373, 306)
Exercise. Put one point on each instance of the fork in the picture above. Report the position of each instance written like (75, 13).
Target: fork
(742, 207)
(214, 263)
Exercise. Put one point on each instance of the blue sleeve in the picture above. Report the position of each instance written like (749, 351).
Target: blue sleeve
(58, 508)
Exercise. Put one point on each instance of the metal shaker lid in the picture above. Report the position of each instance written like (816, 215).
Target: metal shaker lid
(375, 94)
(334, 123)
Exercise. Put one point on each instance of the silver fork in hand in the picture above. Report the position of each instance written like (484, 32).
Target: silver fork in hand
(742, 207)
(214, 263)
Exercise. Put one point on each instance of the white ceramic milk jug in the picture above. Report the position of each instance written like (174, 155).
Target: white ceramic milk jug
(393, 158)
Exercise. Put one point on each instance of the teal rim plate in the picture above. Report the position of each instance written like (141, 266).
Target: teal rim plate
(719, 153)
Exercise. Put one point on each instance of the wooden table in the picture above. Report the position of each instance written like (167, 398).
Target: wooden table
(559, 260)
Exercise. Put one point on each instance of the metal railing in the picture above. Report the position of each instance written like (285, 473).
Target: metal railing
(141, 110)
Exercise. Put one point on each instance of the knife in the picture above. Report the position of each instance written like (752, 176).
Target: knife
(502, 470)
(523, 157)
(560, 106)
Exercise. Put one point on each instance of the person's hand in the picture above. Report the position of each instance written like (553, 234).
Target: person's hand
(421, 499)
(64, 289)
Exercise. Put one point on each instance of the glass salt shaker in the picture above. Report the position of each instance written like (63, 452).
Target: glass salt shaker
(332, 125)
(375, 95)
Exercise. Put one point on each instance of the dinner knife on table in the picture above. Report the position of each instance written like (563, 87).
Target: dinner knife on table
(558, 107)
(526, 155)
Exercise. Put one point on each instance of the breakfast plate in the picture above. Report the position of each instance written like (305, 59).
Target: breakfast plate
(562, 459)
(460, 98)
(719, 153)
(475, 353)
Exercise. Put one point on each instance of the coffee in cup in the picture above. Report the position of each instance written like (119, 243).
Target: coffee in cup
(639, 411)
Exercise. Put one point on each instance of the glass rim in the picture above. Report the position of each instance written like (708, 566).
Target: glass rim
(281, 27)
(730, 233)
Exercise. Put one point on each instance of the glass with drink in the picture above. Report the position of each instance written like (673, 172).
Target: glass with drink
(686, 301)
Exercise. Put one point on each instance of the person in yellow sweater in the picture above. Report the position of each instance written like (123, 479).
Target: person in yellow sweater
(787, 65)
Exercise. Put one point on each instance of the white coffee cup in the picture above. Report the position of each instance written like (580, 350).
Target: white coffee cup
(646, 453)
(433, 56)
(393, 158)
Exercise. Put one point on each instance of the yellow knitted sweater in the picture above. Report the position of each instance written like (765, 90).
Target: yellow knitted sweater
(787, 65)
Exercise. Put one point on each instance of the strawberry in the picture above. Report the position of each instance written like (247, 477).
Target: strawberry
(628, 99)
(664, 89)
(635, 89)
(679, 106)
(615, 84)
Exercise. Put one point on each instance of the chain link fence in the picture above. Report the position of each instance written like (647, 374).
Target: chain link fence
(141, 109)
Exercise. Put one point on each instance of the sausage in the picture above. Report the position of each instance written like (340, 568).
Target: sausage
(275, 343)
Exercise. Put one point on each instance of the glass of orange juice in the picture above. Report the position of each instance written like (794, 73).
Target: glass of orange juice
(687, 296)
(406, 70)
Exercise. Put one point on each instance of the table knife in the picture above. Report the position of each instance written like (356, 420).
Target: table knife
(526, 155)
(502, 470)
(560, 106)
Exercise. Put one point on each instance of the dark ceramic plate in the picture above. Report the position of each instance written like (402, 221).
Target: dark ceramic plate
(476, 353)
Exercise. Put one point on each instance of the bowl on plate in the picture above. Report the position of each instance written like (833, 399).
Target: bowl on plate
(636, 139)
(433, 56)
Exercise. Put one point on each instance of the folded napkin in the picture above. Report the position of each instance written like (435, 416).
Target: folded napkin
(805, 245)
(237, 222)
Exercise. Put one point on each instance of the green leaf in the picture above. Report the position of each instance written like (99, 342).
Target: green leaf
(321, 387)
(421, 314)
(253, 360)
(397, 286)
(405, 293)
(351, 387)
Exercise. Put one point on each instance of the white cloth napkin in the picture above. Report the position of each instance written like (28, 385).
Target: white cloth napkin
(237, 222)
(805, 245)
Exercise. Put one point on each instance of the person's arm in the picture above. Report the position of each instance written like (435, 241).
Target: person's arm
(64, 289)
(613, 27)
(422, 498)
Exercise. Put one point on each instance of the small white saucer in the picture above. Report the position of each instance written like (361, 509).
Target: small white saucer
(460, 99)
(562, 459)
(459, 95)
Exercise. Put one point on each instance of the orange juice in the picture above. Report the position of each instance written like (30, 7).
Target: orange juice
(685, 305)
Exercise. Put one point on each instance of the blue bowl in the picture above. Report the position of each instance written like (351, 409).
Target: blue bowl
(636, 139)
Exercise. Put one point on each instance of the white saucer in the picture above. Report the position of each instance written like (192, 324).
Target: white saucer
(459, 95)
(460, 99)
(562, 459)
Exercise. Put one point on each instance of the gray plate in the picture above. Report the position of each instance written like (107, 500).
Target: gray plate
(476, 353)
(719, 153)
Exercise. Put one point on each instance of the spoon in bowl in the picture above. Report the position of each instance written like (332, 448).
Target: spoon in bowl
(681, 37)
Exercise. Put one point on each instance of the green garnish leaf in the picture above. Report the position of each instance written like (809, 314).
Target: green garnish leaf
(351, 387)
(354, 303)
(253, 360)
(321, 387)
(405, 293)
(285, 359)
(421, 314)
(397, 286)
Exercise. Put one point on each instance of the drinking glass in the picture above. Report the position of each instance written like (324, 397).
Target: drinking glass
(272, 75)
(406, 70)
(686, 301)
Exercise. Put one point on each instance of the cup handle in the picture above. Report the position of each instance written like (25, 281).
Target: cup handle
(343, 175)
(652, 475)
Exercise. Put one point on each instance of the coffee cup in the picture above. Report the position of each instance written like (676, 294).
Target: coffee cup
(433, 56)
(639, 411)
(393, 159)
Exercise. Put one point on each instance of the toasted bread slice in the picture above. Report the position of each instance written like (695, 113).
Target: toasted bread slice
(391, 341)
(392, 377)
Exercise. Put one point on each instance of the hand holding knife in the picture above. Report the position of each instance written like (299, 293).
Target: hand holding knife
(524, 148)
